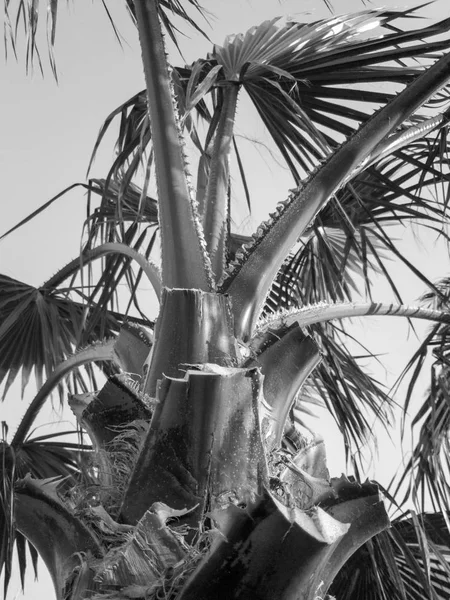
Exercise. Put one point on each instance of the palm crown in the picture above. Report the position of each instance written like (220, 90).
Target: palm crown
(360, 159)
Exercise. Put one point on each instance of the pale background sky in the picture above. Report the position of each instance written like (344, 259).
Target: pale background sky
(47, 132)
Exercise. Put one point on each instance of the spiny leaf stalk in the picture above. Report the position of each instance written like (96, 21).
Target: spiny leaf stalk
(184, 261)
(323, 312)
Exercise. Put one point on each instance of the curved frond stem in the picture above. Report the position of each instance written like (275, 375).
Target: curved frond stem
(53, 528)
(185, 263)
(97, 353)
(215, 216)
(396, 142)
(323, 312)
(150, 269)
(250, 281)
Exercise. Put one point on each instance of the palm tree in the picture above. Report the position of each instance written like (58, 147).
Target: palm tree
(200, 478)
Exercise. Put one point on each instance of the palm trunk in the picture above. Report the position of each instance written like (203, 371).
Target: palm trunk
(246, 527)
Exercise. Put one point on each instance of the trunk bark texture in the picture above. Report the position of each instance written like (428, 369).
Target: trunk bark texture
(215, 506)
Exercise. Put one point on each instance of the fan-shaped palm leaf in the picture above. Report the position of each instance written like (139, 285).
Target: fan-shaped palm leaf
(42, 326)
(39, 328)
(294, 74)
(301, 93)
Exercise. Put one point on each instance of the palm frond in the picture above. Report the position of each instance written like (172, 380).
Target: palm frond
(42, 326)
(102, 291)
(39, 328)
(331, 265)
(41, 456)
(102, 221)
(410, 561)
(134, 144)
(351, 238)
(302, 94)
(352, 396)
(29, 14)
(426, 474)
(42, 208)
(341, 384)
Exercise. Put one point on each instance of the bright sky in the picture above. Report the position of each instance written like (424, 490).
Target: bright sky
(48, 132)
